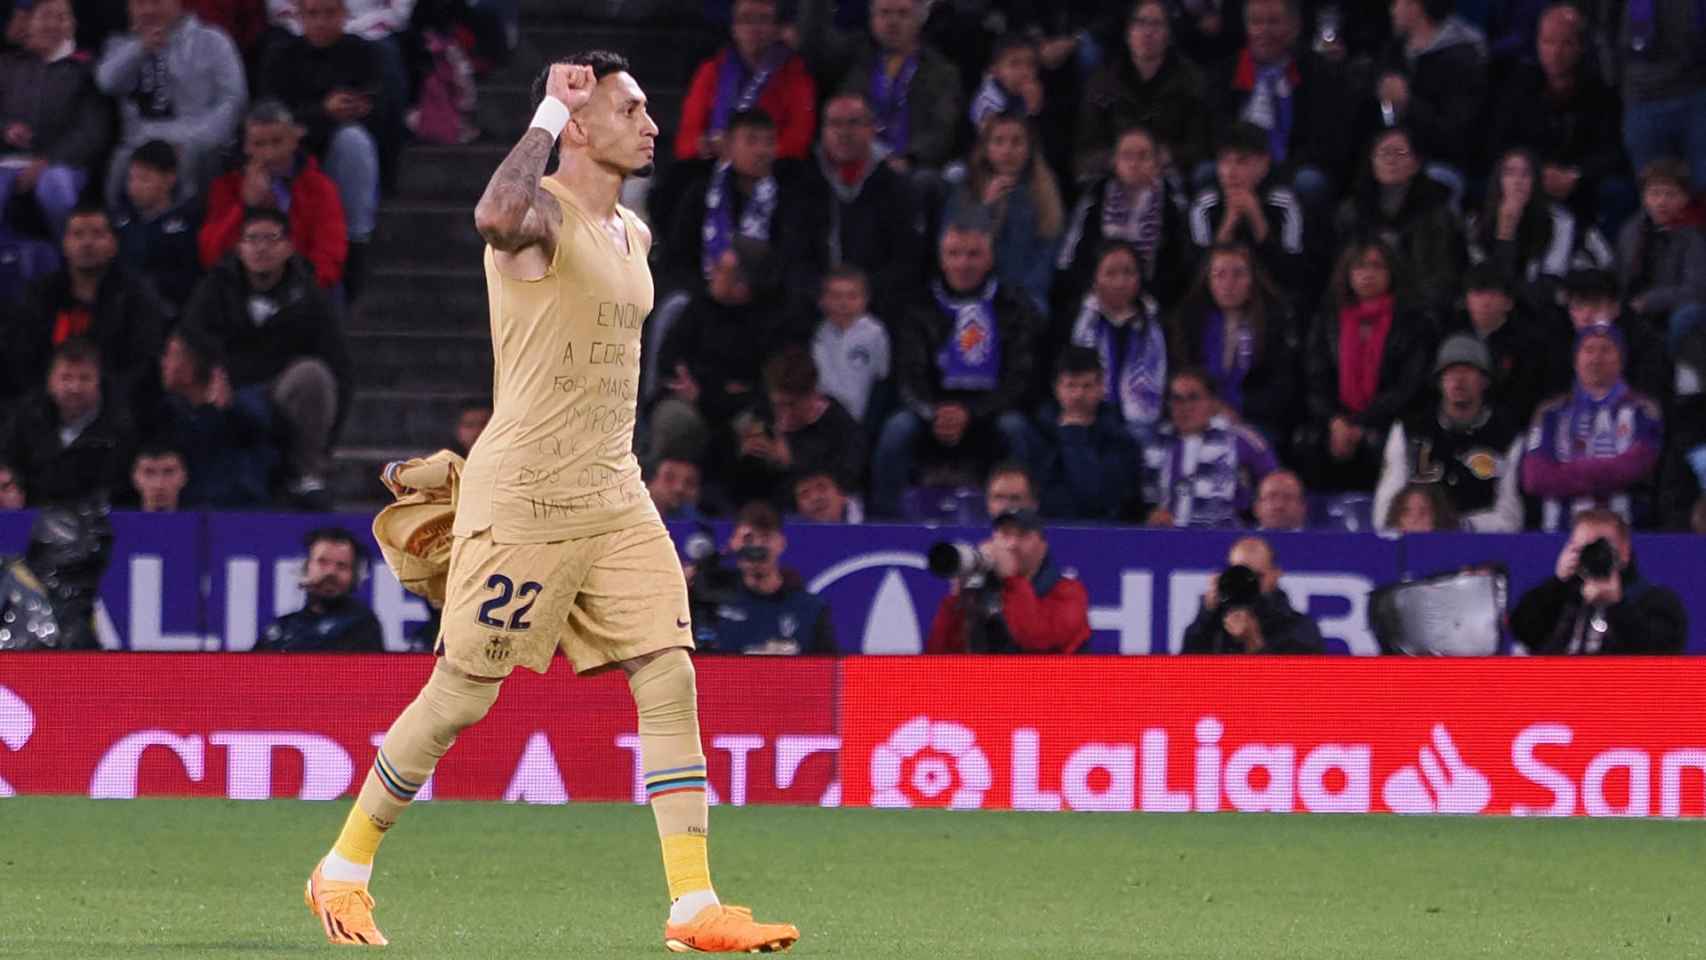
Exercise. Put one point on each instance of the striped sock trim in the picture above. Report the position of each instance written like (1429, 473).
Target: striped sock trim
(393, 784)
(675, 780)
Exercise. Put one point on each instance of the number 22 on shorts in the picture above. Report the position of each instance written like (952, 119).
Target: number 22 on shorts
(491, 612)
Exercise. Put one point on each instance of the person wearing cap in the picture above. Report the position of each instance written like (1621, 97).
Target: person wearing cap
(1596, 446)
(1027, 604)
(769, 611)
(1256, 618)
(1592, 300)
(1522, 358)
(1466, 445)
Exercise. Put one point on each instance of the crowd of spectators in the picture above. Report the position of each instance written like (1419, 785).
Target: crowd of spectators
(188, 189)
(1270, 264)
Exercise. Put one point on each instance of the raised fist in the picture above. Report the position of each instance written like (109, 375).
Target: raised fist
(571, 84)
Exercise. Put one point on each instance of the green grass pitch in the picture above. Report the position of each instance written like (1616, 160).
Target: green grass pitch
(222, 879)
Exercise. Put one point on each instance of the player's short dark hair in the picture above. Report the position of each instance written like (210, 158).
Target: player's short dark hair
(603, 64)
(1076, 359)
(1198, 374)
(1009, 42)
(1242, 138)
(77, 350)
(756, 118)
(1672, 170)
(155, 449)
(266, 215)
(759, 515)
(157, 155)
(791, 372)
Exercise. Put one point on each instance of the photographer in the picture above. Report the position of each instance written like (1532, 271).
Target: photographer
(1008, 595)
(1244, 611)
(758, 607)
(333, 620)
(1597, 602)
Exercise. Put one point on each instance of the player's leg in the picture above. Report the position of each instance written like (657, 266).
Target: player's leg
(632, 610)
(450, 702)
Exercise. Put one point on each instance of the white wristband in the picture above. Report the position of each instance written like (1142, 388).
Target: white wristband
(551, 117)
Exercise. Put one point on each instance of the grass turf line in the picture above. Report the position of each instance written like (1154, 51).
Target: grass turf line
(223, 879)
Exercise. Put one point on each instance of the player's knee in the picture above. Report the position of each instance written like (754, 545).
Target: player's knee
(459, 701)
(665, 689)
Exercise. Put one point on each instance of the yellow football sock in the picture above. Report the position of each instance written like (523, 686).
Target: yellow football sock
(686, 864)
(360, 838)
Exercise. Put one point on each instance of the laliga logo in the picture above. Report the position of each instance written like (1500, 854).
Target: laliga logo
(17, 722)
(934, 743)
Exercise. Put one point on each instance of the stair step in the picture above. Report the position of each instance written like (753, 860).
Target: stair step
(429, 299)
(414, 420)
(422, 360)
(448, 174)
(421, 234)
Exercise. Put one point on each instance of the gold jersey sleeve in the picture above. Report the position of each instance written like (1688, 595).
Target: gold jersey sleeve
(557, 462)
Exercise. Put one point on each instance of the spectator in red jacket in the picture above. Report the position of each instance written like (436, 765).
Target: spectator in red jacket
(276, 174)
(756, 70)
(1025, 604)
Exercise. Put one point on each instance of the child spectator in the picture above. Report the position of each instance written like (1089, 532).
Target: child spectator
(850, 348)
(1012, 85)
(1123, 326)
(1086, 461)
(157, 234)
(1661, 263)
(158, 475)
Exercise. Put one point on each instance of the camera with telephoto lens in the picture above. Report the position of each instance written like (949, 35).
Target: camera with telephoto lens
(957, 560)
(1598, 560)
(715, 576)
(1238, 587)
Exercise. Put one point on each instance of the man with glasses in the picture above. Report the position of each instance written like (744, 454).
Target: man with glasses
(1203, 469)
(279, 336)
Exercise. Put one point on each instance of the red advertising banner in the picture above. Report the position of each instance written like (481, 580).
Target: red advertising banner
(252, 726)
(1511, 736)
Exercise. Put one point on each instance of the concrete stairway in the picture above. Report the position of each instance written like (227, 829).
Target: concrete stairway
(420, 337)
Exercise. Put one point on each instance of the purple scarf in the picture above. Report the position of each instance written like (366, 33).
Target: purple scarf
(1228, 374)
(739, 88)
(971, 357)
(1137, 379)
(1139, 226)
(888, 97)
(1592, 424)
(719, 229)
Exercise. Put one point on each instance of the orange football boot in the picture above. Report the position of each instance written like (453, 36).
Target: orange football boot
(721, 928)
(345, 910)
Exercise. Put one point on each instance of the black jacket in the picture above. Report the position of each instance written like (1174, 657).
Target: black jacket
(304, 326)
(302, 75)
(1650, 619)
(1173, 105)
(1524, 359)
(1448, 84)
(1086, 473)
(162, 249)
(798, 253)
(1424, 231)
(1577, 132)
(1319, 135)
(1405, 367)
(1284, 630)
(344, 625)
(722, 344)
(125, 324)
(876, 224)
(71, 123)
(1284, 253)
(922, 330)
(1082, 244)
(1273, 388)
(95, 466)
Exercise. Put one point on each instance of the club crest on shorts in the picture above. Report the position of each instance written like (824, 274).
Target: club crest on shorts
(498, 648)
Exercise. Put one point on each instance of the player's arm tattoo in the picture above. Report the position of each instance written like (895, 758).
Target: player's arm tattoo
(507, 215)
